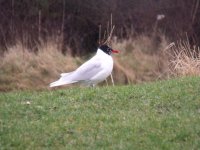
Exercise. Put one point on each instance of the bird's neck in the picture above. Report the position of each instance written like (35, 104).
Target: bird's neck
(101, 53)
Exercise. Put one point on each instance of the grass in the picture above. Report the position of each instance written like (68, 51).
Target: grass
(160, 115)
(185, 59)
(141, 59)
(24, 70)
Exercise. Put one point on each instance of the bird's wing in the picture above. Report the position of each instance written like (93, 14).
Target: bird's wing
(66, 74)
(87, 70)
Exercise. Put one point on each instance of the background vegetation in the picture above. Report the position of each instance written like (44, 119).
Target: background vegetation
(77, 22)
(158, 40)
(40, 39)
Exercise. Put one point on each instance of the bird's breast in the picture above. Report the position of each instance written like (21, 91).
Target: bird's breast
(107, 64)
(106, 69)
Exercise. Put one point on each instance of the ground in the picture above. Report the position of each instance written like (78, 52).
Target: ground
(159, 115)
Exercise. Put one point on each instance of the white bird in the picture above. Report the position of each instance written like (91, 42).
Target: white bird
(95, 70)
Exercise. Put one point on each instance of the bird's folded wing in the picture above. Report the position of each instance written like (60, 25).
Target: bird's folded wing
(87, 70)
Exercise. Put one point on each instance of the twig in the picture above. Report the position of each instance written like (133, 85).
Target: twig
(99, 34)
(107, 38)
(113, 83)
(195, 11)
(39, 25)
(63, 24)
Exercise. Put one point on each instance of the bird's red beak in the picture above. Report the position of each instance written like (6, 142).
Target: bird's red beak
(115, 51)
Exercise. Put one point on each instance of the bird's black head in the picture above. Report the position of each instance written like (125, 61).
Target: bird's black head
(107, 49)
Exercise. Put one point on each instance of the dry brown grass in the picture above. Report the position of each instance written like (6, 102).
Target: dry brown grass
(137, 62)
(21, 69)
(141, 59)
(184, 59)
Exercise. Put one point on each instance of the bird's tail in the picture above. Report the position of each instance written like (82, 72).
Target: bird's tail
(64, 79)
(60, 82)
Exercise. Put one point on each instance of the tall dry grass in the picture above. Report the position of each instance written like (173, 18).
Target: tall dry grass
(22, 69)
(184, 59)
(141, 59)
(144, 58)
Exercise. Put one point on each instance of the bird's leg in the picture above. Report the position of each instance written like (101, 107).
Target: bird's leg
(91, 85)
(106, 82)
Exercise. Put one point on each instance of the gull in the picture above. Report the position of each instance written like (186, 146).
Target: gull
(93, 71)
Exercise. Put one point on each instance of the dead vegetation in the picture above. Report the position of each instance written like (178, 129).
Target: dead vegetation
(184, 59)
(22, 69)
(141, 59)
(77, 22)
(138, 61)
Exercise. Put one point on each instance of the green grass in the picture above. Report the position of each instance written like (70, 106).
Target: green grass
(160, 115)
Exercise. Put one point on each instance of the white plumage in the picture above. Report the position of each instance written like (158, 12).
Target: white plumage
(95, 70)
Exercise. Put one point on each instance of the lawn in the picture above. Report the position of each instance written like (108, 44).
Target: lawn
(159, 115)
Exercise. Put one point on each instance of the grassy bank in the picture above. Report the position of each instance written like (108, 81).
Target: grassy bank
(141, 59)
(22, 69)
(161, 115)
